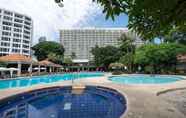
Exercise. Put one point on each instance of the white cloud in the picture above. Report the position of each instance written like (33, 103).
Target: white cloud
(49, 18)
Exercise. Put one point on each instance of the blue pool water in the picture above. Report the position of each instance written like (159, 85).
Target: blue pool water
(145, 79)
(60, 102)
(29, 81)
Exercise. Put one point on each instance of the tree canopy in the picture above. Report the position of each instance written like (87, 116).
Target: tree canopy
(103, 56)
(45, 49)
(158, 55)
(149, 18)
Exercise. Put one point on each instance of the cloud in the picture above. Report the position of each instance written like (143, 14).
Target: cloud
(49, 18)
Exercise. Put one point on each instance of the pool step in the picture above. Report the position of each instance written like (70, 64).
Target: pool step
(78, 89)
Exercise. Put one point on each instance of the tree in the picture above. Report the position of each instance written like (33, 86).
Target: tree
(128, 60)
(127, 47)
(127, 43)
(103, 56)
(67, 60)
(55, 58)
(73, 55)
(149, 18)
(158, 56)
(43, 49)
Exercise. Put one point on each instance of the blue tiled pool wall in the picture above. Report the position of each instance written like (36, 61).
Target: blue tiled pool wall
(17, 106)
(23, 82)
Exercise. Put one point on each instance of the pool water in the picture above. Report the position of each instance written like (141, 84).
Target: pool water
(94, 102)
(145, 79)
(29, 81)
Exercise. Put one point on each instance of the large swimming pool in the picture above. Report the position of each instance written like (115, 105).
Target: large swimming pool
(29, 81)
(144, 79)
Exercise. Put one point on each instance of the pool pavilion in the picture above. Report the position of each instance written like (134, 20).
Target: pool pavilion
(27, 66)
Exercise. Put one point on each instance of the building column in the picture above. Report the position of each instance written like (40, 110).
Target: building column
(50, 69)
(30, 70)
(39, 71)
(19, 69)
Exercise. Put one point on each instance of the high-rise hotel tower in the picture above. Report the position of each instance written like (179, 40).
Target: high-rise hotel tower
(81, 41)
(16, 31)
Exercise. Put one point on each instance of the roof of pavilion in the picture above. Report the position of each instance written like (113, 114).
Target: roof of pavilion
(15, 58)
(48, 63)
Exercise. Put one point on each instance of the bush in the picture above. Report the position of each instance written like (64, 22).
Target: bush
(117, 73)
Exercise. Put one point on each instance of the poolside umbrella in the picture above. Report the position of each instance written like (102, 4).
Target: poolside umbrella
(43, 68)
(3, 69)
(36, 68)
(12, 70)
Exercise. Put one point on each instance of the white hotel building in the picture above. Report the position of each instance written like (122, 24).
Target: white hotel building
(81, 41)
(16, 31)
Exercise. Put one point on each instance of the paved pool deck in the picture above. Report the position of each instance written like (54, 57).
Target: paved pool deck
(143, 101)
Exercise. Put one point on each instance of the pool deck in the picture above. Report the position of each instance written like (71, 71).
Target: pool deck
(143, 101)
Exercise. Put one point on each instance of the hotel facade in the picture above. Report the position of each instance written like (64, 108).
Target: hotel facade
(16, 32)
(81, 41)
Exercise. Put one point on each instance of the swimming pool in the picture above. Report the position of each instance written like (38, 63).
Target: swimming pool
(29, 81)
(145, 79)
(61, 102)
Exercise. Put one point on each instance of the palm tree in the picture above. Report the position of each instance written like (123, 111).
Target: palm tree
(127, 46)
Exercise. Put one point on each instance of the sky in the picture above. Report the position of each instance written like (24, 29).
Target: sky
(48, 18)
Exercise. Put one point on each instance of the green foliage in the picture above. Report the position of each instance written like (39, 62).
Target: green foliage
(158, 56)
(43, 49)
(103, 56)
(55, 58)
(127, 59)
(127, 43)
(73, 55)
(3, 64)
(67, 60)
(149, 18)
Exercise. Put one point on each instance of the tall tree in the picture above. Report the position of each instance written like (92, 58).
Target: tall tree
(43, 49)
(103, 56)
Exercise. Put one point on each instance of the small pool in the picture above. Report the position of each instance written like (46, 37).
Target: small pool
(61, 102)
(145, 79)
(29, 81)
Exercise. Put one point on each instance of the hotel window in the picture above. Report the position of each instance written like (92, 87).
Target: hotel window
(24, 41)
(26, 37)
(27, 23)
(27, 18)
(17, 30)
(17, 35)
(16, 45)
(25, 46)
(18, 25)
(25, 51)
(8, 13)
(7, 18)
(5, 44)
(7, 23)
(6, 33)
(28, 28)
(4, 49)
(5, 39)
(15, 50)
(18, 16)
(16, 40)
(17, 20)
(26, 32)
(6, 28)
